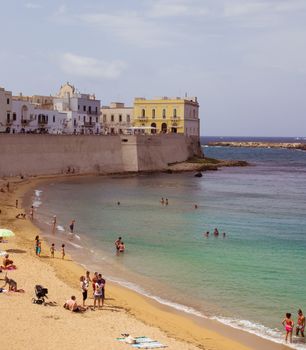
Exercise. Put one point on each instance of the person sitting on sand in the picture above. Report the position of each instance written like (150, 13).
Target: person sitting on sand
(300, 323)
(288, 324)
(7, 263)
(21, 216)
(72, 305)
(11, 283)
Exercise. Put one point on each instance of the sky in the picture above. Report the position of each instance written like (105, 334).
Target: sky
(245, 60)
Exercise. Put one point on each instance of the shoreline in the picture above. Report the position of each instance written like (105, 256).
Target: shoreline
(175, 324)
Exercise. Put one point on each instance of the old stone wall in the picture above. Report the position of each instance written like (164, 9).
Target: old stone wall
(57, 154)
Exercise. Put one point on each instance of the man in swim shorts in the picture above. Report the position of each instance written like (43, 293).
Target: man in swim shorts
(300, 323)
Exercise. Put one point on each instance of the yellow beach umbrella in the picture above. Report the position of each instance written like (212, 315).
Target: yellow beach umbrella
(6, 233)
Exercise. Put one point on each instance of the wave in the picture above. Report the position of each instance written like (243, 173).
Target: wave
(38, 192)
(36, 203)
(75, 245)
(60, 228)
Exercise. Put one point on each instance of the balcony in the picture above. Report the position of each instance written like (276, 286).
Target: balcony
(142, 118)
(42, 122)
(175, 118)
(25, 122)
(89, 124)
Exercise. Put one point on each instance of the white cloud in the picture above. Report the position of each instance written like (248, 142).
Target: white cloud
(133, 28)
(31, 5)
(88, 67)
(174, 8)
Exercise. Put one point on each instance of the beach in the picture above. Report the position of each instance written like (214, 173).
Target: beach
(124, 312)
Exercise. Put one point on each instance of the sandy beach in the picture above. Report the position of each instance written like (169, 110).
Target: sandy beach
(32, 326)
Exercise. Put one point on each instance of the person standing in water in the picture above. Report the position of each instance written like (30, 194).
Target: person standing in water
(71, 226)
(54, 224)
(166, 201)
(117, 243)
(63, 251)
(300, 323)
(288, 324)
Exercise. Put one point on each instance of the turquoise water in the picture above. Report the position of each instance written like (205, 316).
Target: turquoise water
(248, 279)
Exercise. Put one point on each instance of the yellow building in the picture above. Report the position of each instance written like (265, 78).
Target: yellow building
(167, 115)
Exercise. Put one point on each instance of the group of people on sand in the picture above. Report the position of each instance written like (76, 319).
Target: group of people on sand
(52, 248)
(119, 245)
(98, 292)
(288, 324)
(215, 233)
(8, 264)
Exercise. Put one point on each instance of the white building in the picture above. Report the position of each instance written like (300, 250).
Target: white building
(116, 118)
(5, 110)
(82, 111)
(28, 117)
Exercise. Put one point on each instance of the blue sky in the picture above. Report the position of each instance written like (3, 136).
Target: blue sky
(244, 59)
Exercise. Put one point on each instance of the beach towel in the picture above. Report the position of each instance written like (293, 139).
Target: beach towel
(144, 342)
(149, 345)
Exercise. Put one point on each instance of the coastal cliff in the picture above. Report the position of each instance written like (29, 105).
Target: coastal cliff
(255, 144)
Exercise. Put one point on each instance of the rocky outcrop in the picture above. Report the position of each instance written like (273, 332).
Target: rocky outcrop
(255, 144)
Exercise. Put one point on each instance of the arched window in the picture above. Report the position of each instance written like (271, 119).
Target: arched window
(164, 113)
(174, 113)
(143, 113)
(153, 113)
(153, 130)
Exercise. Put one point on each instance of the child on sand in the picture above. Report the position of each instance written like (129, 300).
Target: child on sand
(63, 251)
(288, 324)
(52, 250)
(38, 248)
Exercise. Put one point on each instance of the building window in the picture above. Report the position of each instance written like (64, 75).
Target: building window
(8, 101)
(89, 109)
(14, 116)
(174, 113)
(143, 113)
(128, 118)
(79, 118)
(78, 107)
(120, 118)
(164, 113)
(104, 118)
(112, 118)
(96, 119)
(153, 113)
(8, 117)
(54, 119)
(84, 108)
(194, 113)
(96, 110)
(74, 122)
(84, 118)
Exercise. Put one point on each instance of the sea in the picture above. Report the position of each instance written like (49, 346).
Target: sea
(247, 280)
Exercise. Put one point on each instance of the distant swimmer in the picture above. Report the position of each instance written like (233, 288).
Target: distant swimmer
(300, 323)
(54, 223)
(118, 203)
(162, 201)
(206, 234)
(195, 206)
(71, 226)
(224, 234)
(121, 247)
(118, 242)
(167, 201)
(216, 232)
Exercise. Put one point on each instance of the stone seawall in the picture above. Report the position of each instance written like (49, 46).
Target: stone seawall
(57, 154)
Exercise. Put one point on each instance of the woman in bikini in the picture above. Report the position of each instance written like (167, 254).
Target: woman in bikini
(288, 324)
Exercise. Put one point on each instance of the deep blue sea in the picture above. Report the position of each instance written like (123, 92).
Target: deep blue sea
(247, 280)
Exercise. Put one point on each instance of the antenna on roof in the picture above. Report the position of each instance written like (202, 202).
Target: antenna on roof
(185, 94)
